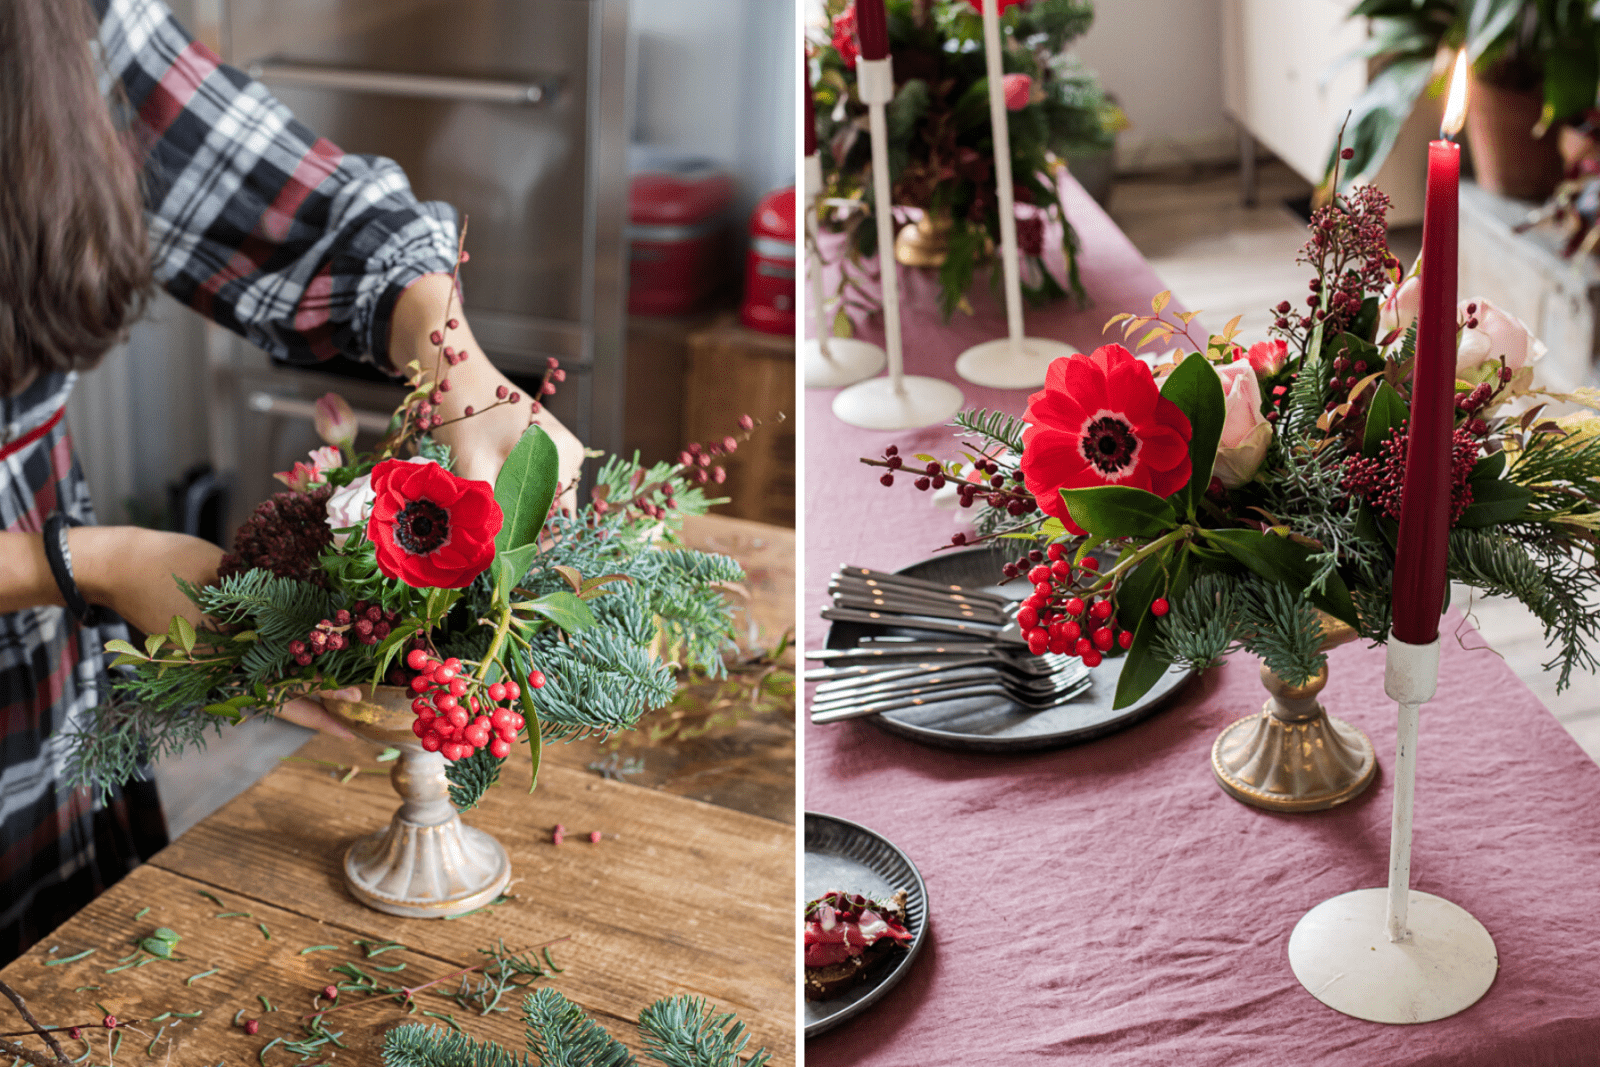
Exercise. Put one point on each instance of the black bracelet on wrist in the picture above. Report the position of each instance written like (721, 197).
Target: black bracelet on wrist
(60, 559)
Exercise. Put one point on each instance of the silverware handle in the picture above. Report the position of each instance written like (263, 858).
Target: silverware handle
(913, 622)
(846, 691)
(867, 585)
(918, 583)
(858, 711)
(868, 670)
(925, 608)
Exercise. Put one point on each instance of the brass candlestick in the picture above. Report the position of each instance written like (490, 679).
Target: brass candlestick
(426, 864)
(1294, 756)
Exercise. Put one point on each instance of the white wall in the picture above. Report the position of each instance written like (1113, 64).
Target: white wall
(1162, 59)
(717, 78)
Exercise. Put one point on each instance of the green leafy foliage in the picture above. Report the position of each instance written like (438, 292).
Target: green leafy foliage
(1197, 390)
(684, 1031)
(1119, 511)
(561, 1035)
(525, 488)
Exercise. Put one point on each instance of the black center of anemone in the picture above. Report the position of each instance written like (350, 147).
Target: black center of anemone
(422, 527)
(1109, 444)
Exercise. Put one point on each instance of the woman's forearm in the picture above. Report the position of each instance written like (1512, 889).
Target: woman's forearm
(25, 578)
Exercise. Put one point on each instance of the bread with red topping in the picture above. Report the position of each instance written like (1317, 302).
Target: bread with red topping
(849, 939)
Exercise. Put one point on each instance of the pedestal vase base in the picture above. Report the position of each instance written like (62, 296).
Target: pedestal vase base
(426, 872)
(847, 362)
(1341, 952)
(1000, 365)
(1309, 765)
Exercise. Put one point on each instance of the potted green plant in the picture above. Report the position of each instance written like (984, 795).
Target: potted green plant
(1535, 63)
(940, 138)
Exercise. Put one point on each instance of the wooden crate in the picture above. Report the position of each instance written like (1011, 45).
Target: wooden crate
(658, 354)
(734, 371)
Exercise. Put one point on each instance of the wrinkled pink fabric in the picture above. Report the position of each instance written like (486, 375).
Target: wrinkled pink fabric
(1108, 904)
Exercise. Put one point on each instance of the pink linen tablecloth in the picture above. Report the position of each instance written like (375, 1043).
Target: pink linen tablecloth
(1108, 903)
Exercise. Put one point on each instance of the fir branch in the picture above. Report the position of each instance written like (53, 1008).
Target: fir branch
(997, 427)
(561, 1035)
(1499, 566)
(417, 1045)
(117, 739)
(1284, 629)
(471, 778)
(685, 1032)
(1204, 624)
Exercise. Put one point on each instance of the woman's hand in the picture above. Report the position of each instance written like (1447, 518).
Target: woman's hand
(482, 441)
(132, 571)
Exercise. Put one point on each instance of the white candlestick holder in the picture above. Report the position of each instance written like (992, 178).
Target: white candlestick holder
(829, 362)
(1396, 955)
(900, 401)
(1014, 361)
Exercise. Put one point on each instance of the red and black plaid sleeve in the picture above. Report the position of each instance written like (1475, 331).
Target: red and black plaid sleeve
(256, 222)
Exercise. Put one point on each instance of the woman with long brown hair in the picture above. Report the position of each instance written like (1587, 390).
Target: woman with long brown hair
(131, 157)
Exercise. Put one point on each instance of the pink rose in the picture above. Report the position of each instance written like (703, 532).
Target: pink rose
(1246, 433)
(1018, 88)
(1399, 308)
(1496, 336)
(351, 504)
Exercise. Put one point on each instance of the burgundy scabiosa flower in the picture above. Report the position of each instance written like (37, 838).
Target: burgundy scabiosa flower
(285, 535)
(1100, 420)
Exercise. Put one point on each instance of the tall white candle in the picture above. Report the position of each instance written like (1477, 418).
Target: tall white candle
(875, 84)
(992, 41)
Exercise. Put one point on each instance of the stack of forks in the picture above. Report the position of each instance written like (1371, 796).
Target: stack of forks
(975, 648)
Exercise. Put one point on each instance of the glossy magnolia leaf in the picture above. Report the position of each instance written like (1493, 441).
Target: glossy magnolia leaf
(1386, 413)
(1279, 559)
(572, 575)
(1143, 667)
(1197, 390)
(1495, 500)
(509, 568)
(524, 489)
(565, 610)
(1119, 511)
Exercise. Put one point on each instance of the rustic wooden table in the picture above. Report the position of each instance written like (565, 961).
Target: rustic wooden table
(680, 896)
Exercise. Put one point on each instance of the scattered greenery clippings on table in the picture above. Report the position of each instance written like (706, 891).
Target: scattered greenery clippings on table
(679, 1032)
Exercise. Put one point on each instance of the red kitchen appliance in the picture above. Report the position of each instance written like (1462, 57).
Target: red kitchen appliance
(769, 279)
(677, 236)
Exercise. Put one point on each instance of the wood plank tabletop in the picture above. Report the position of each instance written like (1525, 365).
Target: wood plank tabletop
(679, 896)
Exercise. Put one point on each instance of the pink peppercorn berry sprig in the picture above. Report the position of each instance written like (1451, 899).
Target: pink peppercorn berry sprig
(999, 488)
(362, 622)
(456, 715)
(696, 463)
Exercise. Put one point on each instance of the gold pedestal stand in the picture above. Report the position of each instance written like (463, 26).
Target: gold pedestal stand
(1293, 756)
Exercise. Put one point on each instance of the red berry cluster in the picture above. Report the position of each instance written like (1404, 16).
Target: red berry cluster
(1056, 619)
(696, 458)
(1381, 478)
(456, 722)
(363, 622)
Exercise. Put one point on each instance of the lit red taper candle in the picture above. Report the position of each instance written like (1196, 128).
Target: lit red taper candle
(872, 29)
(1421, 556)
(811, 106)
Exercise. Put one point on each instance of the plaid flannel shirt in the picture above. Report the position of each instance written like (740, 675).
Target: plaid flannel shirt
(260, 225)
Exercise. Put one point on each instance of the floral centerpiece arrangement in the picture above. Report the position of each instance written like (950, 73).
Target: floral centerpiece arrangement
(1243, 493)
(506, 616)
(940, 140)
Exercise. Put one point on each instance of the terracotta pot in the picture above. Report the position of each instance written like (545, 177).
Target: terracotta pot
(1506, 157)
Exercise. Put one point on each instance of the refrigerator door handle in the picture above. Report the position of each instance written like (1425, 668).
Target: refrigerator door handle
(430, 86)
(294, 408)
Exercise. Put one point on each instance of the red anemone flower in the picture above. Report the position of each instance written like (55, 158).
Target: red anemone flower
(431, 529)
(1100, 420)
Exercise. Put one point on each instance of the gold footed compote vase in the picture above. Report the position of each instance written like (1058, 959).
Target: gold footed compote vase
(1293, 755)
(427, 864)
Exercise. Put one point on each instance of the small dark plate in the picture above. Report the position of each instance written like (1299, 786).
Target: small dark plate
(848, 857)
(995, 724)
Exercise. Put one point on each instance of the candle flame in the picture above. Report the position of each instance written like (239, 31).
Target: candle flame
(1455, 108)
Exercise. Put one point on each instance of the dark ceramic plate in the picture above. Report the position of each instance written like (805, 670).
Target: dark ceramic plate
(848, 857)
(995, 724)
